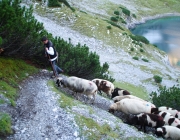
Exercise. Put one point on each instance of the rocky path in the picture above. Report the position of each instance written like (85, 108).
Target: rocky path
(38, 115)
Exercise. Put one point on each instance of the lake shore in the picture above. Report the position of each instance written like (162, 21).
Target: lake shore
(132, 24)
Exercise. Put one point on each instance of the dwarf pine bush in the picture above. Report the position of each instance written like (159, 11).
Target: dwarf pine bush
(136, 58)
(157, 79)
(167, 97)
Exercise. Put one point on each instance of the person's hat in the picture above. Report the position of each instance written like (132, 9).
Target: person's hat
(43, 38)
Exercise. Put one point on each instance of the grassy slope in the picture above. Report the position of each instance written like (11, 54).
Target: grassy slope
(13, 71)
(154, 7)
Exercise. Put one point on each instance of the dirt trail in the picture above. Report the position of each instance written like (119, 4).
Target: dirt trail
(38, 116)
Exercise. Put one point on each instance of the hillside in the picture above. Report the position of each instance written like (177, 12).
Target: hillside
(87, 25)
(44, 111)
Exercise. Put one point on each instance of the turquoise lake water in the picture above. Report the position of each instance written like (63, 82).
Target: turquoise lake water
(165, 34)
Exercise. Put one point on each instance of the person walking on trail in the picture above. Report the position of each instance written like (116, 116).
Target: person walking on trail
(52, 55)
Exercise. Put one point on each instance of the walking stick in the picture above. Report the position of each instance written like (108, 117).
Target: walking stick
(52, 66)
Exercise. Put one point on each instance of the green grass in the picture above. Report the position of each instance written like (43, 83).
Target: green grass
(134, 90)
(5, 125)
(153, 7)
(93, 131)
(66, 100)
(13, 71)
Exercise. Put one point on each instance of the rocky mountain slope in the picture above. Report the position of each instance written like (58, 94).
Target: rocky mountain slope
(38, 114)
(122, 67)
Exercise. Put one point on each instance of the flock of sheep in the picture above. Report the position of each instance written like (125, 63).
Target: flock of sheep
(165, 120)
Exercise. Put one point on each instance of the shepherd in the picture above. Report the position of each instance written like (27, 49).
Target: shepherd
(51, 53)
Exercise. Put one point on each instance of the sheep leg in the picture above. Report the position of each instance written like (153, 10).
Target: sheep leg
(144, 128)
(89, 99)
(93, 100)
(100, 92)
(76, 96)
(85, 99)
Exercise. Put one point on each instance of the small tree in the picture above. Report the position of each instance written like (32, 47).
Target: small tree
(114, 19)
(109, 27)
(53, 3)
(79, 61)
(141, 50)
(132, 49)
(157, 79)
(134, 15)
(116, 12)
(167, 97)
(145, 60)
(139, 38)
(125, 11)
(136, 58)
(19, 30)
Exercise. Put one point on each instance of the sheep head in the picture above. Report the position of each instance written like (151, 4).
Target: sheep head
(112, 108)
(59, 81)
(159, 131)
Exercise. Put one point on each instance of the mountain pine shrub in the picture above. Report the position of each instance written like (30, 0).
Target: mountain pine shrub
(141, 50)
(53, 3)
(114, 19)
(109, 27)
(157, 79)
(125, 11)
(21, 34)
(79, 61)
(139, 38)
(145, 60)
(133, 15)
(116, 12)
(169, 97)
(136, 58)
(19, 30)
(132, 49)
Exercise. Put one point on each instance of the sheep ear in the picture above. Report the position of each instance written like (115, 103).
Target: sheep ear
(115, 101)
(154, 110)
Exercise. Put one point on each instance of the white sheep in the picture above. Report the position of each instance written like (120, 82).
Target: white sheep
(168, 132)
(174, 112)
(132, 106)
(168, 118)
(119, 98)
(119, 92)
(79, 85)
(147, 119)
(104, 85)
